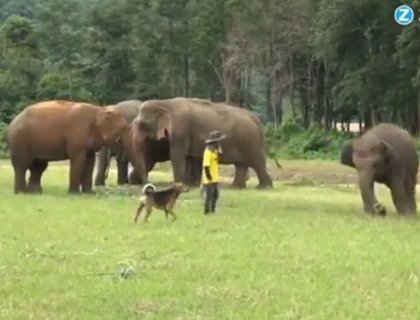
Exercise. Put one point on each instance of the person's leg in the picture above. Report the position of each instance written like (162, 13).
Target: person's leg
(207, 198)
(215, 197)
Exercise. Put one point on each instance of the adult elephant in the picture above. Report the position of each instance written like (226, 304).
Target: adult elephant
(59, 130)
(186, 123)
(154, 151)
(129, 109)
(157, 151)
(385, 154)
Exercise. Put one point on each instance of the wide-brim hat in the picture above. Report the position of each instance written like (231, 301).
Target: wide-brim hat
(215, 136)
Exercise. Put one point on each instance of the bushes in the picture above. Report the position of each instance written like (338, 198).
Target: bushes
(293, 142)
(3, 144)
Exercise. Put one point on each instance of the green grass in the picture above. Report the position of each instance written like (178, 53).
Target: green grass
(295, 252)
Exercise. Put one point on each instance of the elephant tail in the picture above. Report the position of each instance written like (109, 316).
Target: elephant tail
(278, 165)
(148, 189)
(257, 121)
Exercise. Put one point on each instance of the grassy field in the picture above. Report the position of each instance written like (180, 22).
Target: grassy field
(300, 251)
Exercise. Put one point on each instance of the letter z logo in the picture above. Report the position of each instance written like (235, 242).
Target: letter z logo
(404, 15)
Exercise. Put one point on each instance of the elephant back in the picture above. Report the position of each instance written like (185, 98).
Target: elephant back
(129, 108)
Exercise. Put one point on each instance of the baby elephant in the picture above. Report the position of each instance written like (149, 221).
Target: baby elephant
(385, 154)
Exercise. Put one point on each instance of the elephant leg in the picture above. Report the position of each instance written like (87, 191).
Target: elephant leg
(19, 167)
(410, 189)
(370, 203)
(122, 166)
(197, 171)
(134, 178)
(36, 169)
(399, 196)
(193, 171)
(86, 181)
(77, 167)
(239, 180)
(178, 161)
(189, 172)
(103, 164)
(260, 168)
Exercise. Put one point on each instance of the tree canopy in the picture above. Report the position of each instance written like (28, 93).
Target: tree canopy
(316, 62)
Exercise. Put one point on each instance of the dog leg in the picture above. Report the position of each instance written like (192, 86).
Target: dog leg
(148, 212)
(173, 215)
(166, 214)
(139, 209)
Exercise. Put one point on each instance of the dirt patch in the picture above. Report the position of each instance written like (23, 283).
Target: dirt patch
(304, 172)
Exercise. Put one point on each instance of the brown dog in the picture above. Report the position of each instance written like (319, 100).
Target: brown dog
(163, 200)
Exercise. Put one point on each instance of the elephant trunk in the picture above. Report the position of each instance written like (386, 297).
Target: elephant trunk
(366, 185)
(133, 143)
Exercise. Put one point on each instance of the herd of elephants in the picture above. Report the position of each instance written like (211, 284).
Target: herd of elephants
(144, 133)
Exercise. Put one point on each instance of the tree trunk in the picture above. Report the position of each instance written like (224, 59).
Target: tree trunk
(278, 107)
(418, 112)
(186, 76)
(359, 119)
(327, 113)
(367, 119)
(268, 101)
(292, 87)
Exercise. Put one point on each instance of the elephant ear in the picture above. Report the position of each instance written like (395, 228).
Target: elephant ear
(164, 127)
(102, 122)
(386, 150)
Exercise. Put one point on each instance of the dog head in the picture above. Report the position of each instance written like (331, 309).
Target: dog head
(180, 187)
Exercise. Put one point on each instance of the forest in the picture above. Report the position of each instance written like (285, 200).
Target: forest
(313, 62)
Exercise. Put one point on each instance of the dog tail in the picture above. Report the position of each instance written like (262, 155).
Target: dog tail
(148, 189)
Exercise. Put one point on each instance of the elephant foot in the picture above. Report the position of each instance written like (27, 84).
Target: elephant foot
(379, 209)
(21, 191)
(265, 186)
(134, 179)
(238, 186)
(90, 192)
(238, 183)
(34, 189)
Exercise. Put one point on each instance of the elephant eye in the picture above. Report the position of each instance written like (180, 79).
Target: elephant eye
(143, 126)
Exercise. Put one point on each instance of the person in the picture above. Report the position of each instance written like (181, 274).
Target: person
(211, 177)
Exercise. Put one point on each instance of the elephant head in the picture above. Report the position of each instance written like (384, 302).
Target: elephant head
(371, 158)
(111, 124)
(152, 123)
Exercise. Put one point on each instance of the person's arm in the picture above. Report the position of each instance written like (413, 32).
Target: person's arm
(206, 165)
(207, 173)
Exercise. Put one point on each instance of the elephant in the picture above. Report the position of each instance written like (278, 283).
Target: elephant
(155, 151)
(185, 123)
(384, 154)
(58, 130)
(129, 109)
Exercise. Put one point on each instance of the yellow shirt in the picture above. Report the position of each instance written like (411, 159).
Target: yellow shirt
(211, 160)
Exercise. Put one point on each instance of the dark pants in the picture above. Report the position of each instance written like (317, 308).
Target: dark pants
(211, 194)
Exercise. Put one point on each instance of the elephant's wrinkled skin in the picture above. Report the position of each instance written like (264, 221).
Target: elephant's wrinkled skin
(385, 154)
(59, 130)
(186, 123)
